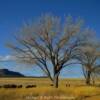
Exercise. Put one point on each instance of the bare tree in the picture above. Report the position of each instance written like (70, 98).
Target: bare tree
(48, 41)
(89, 56)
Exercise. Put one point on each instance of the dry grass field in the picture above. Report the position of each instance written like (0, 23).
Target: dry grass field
(74, 90)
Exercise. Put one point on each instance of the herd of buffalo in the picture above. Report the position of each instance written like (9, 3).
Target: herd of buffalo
(21, 86)
(16, 86)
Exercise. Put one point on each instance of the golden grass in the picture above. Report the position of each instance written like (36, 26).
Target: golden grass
(77, 91)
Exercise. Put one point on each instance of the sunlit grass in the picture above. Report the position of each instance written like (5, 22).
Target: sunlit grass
(77, 90)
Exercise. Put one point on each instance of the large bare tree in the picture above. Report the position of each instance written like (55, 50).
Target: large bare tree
(48, 43)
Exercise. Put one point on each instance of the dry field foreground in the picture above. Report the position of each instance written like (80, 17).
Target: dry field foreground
(44, 91)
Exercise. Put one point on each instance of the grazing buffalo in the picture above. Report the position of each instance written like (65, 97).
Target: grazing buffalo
(10, 86)
(51, 84)
(0, 86)
(30, 86)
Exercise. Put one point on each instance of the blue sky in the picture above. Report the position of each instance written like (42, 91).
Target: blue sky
(13, 13)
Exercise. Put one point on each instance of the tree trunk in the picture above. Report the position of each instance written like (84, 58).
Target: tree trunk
(88, 78)
(56, 80)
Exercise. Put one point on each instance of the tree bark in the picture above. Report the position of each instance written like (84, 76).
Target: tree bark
(56, 80)
(88, 78)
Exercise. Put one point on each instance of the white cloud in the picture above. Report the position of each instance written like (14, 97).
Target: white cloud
(7, 58)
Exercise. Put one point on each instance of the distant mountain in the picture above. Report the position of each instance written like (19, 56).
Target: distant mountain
(8, 73)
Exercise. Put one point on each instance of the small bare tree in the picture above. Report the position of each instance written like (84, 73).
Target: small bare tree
(48, 41)
(89, 56)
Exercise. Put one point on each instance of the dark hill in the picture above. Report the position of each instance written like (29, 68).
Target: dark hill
(8, 73)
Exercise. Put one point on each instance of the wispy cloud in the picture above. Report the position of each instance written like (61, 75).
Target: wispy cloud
(7, 58)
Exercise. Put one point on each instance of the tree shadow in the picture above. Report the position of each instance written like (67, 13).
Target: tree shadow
(88, 96)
